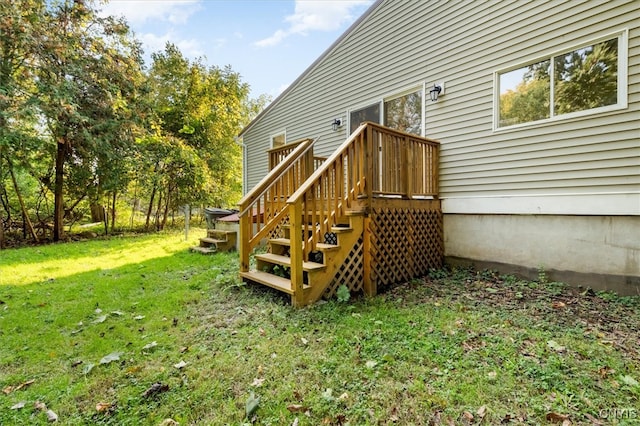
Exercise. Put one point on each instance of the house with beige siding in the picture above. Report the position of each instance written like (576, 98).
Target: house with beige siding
(535, 110)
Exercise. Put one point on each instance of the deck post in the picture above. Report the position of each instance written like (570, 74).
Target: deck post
(369, 286)
(368, 146)
(245, 236)
(295, 218)
(409, 170)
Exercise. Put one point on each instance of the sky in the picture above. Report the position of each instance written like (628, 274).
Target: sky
(268, 42)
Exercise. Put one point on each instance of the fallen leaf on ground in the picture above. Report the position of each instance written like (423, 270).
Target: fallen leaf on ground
(371, 364)
(19, 405)
(482, 411)
(113, 356)
(25, 384)
(467, 416)
(184, 349)
(150, 345)
(304, 341)
(296, 408)
(251, 405)
(101, 318)
(257, 382)
(40, 406)
(87, 368)
(180, 365)
(169, 422)
(102, 406)
(51, 416)
(605, 371)
(155, 389)
(552, 344)
(118, 313)
(558, 305)
(138, 317)
(556, 418)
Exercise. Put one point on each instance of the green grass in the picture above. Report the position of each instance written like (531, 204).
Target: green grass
(425, 352)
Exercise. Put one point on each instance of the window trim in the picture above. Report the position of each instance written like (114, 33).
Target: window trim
(276, 134)
(417, 88)
(623, 82)
(390, 96)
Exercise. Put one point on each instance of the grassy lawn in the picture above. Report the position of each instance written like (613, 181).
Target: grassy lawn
(138, 330)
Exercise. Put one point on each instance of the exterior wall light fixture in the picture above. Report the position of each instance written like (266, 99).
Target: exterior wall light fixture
(435, 92)
(337, 122)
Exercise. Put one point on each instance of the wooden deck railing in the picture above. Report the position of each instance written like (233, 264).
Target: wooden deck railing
(374, 161)
(277, 154)
(265, 206)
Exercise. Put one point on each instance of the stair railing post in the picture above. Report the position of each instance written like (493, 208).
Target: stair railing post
(369, 162)
(409, 170)
(245, 236)
(296, 254)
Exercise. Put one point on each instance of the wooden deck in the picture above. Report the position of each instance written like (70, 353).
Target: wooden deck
(366, 217)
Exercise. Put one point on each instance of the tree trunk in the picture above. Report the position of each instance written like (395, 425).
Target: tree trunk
(157, 215)
(97, 212)
(58, 209)
(113, 211)
(166, 210)
(1, 234)
(153, 195)
(23, 208)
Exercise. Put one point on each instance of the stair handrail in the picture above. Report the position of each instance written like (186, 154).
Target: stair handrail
(355, 173)
(264, 184)
(298, 158)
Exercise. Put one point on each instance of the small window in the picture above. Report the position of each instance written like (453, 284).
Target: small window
(583, 79)
(404, 112)
(369, 113)
(278, 140)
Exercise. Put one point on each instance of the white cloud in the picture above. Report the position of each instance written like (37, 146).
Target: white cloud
(314, 15)
(154, 43)
(140, 11)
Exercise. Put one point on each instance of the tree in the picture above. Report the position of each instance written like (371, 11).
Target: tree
(87, 72)
(20, 22)
(205, 107)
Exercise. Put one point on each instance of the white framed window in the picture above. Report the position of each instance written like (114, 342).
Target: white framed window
(405, 111)
(278, 139)
(357, 116)
(583, 79)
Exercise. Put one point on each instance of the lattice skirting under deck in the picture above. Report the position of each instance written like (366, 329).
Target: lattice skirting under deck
(405, 243)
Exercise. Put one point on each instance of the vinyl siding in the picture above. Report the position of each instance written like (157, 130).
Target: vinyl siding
(403, 44)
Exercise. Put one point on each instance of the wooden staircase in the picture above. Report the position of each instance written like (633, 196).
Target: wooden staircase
(327, 224)
(217, 241)
(274, 267)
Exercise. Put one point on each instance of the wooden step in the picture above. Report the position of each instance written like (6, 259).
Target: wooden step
(210, 240)
(204, 250)
(270, 280)
(334, 229)
(319, 246)
(286, 261)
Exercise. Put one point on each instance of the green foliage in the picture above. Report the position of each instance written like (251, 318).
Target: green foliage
(343, 294)
(81, 119)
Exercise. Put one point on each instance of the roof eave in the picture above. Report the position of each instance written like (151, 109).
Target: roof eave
(311, 67)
